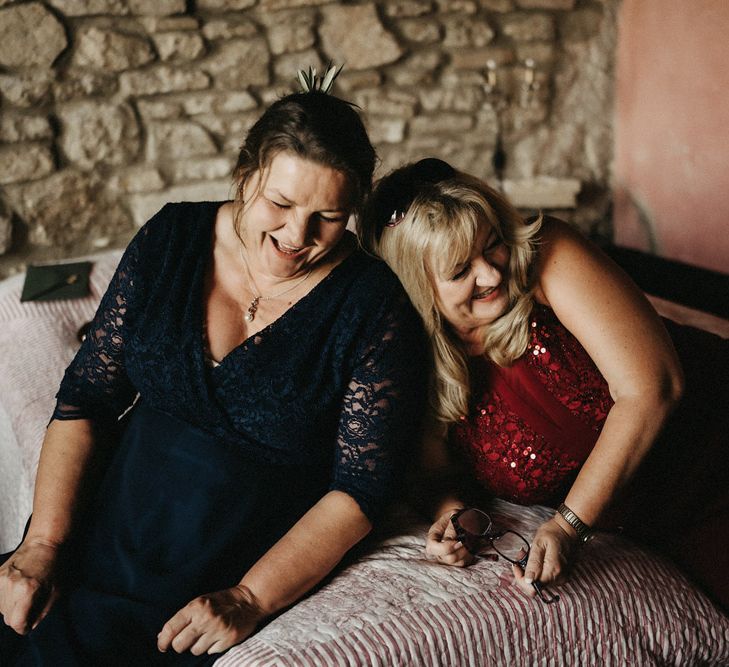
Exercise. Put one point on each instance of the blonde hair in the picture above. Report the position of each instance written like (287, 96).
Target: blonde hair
(438, 233)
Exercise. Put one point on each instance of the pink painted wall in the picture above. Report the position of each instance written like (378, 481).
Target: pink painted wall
(671, 175)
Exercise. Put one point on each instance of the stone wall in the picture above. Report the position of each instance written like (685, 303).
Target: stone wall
(109, 108)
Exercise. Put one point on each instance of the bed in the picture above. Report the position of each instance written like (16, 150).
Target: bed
(389, 605)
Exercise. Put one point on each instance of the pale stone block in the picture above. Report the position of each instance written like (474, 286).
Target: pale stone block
(368, 46)
(407, 8)
(215, 102)
(157, 7)
(30, 36)
(451, 99)
(420, 30)
(27, 89)
(223, 5)
(110, 50)
(497, 5)
(230, 130)
(162, 79)
(418, 70)
(545, 4)
(385, 130)
(239, 63)
(90, 7)
(234, 101)
(175, 140)
(165, 108)
(290, 32)
(542, 192)
(136, 179)
(458, 78)
(98, 133)
(25, 162)
(386, 102)
(270, 5)
(228, 28)
(168, 23)
(457, 6)
(66, 208)
(542, 53)
(288, 64)
(349, 81)
(529, 27)
(183, 45)
(467, 32)
(144, 206)
(21, 127)
(477, 58)
(440, 123)
(205, 169)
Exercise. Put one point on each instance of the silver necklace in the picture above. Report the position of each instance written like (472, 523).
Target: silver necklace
(258, 297)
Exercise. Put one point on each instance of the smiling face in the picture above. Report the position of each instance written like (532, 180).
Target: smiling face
(295, 215)
(474, 293)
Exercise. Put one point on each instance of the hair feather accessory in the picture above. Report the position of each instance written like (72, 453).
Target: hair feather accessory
(310, 81)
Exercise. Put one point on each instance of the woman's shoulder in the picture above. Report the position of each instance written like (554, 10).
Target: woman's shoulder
(371, 277)
(181, 217)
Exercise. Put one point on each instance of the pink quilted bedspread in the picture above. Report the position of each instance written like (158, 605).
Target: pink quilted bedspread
(621, 606)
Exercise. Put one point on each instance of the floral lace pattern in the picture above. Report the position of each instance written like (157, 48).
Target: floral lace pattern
(336, 382)
(511, 457)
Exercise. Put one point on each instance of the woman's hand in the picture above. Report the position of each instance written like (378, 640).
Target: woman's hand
(442, 545)
(212, 623)
(549, 557)
(28, 585)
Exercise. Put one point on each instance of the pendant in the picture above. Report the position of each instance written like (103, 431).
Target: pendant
(251, 314)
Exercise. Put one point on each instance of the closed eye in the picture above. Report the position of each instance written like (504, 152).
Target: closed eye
(462, 273)
(279, 204)
(335, 219)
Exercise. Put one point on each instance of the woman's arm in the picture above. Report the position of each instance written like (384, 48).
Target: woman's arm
(28, 579)
(297, 562)
(625, 338)
(435, 489)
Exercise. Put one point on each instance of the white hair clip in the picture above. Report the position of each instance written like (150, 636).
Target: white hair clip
(311, 82)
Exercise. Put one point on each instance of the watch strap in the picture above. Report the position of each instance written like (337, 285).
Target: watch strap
(584, 532)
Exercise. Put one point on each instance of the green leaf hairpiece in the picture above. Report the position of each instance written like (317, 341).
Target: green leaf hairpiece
(310, 81)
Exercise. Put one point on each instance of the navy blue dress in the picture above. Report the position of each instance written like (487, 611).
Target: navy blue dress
(211, 466)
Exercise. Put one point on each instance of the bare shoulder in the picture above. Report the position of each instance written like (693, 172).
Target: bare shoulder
(564, 254)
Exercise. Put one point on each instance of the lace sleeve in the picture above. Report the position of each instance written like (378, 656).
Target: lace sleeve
(95, 385)
(381, 408)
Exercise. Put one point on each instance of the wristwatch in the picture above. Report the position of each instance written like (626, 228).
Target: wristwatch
(584, 532)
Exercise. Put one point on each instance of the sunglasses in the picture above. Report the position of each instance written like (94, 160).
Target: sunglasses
(396, 193)
(475, 530)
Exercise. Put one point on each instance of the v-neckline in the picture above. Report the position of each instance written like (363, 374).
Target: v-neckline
(202, 335)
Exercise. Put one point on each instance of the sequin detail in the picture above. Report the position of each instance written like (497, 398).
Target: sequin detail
(510, 458)
(566, 370)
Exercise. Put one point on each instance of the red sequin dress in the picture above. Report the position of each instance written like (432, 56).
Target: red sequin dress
(535, 422)
(533, 425)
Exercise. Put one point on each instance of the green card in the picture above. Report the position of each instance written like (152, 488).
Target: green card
(49, 282)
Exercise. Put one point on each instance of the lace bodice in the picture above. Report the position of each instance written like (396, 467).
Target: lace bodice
(534, 424)
(337, 381)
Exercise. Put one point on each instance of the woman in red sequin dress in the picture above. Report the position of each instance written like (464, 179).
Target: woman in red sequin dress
(554, 380)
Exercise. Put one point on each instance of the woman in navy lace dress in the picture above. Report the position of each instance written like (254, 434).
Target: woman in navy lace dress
(235, 420)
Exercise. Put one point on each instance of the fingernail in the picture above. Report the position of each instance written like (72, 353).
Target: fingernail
(458, 545)
(529, 580)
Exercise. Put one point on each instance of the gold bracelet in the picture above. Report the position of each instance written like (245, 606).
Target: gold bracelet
(584, 532)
